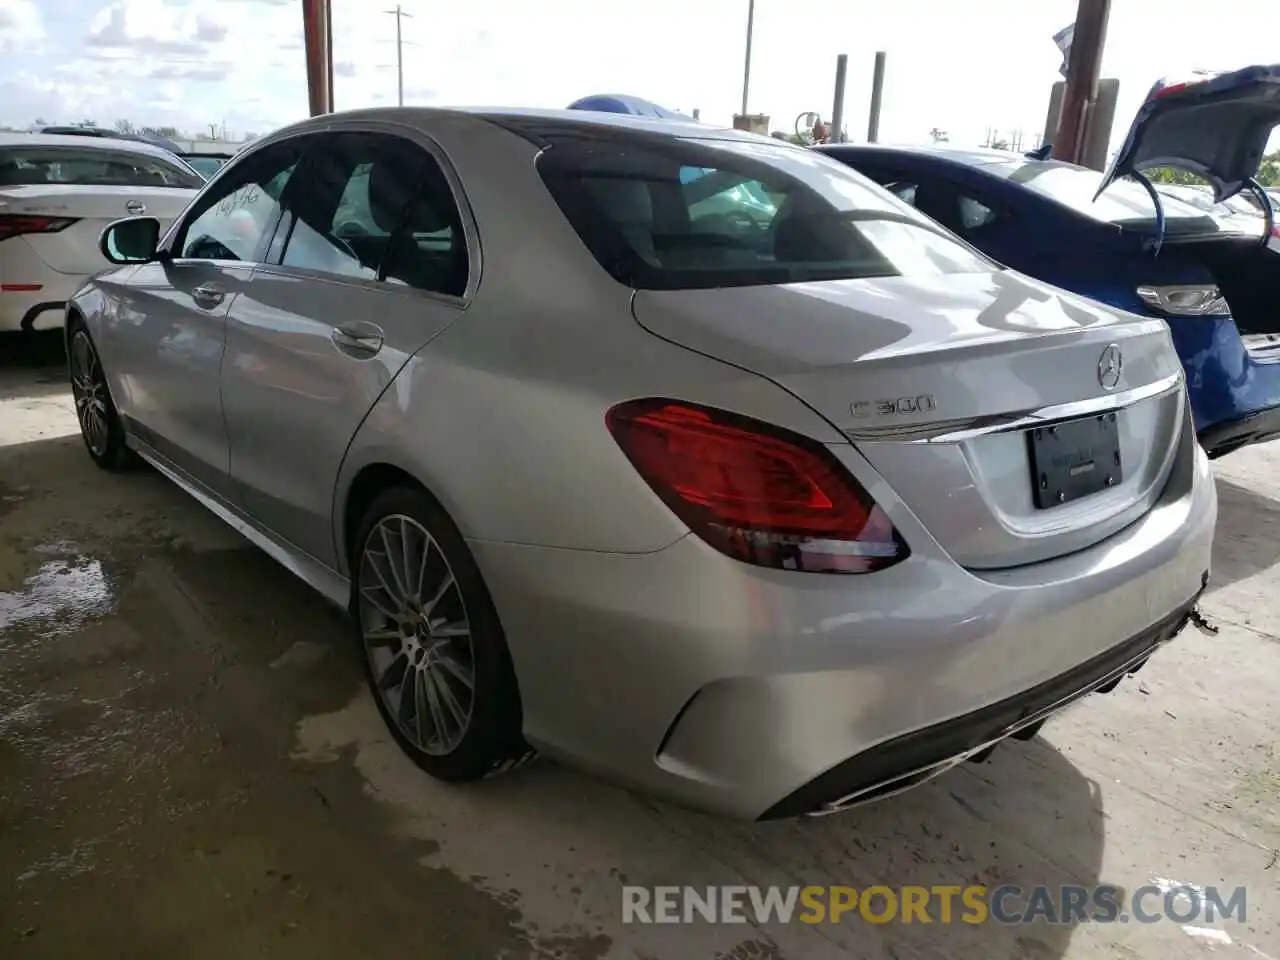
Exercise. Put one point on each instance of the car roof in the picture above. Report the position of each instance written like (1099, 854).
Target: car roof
(82, 143)
(538, 124)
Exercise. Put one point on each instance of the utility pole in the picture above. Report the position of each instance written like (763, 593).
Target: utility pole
(1081, 91)
(399, 15)
(746, 70)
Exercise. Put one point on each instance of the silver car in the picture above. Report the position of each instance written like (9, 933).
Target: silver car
(770, 515)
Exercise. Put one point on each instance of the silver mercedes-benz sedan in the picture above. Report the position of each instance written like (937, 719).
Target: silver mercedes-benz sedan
(679, 454)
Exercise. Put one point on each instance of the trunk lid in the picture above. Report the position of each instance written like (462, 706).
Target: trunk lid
(1213, 124)
(939, 382)
(74, 250)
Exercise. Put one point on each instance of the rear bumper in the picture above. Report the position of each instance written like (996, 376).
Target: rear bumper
(747, 691)
(914, 758)
(42, 309)
(1224, 437)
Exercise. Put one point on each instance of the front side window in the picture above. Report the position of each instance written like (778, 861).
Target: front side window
(86, 166)
(691, 214)
(234, 219)
(377, 207)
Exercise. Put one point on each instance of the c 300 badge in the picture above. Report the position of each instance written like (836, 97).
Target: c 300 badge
(894, 407)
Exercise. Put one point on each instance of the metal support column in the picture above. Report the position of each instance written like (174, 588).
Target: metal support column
(877, 94)
(837, 109)
(317, 38)
(1083, 66)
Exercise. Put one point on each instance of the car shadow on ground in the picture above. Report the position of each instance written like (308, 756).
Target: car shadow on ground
(31, 351)
(1248, 534)
(234, 720)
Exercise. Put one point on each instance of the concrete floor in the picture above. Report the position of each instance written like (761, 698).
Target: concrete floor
(191, 768)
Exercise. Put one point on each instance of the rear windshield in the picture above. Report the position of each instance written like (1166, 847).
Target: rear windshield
(1125, 202)
(26, 166)
(685, 214)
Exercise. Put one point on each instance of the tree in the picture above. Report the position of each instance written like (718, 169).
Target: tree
(1269, 171)
(124, 126)
(939, 135)
(1173, 175)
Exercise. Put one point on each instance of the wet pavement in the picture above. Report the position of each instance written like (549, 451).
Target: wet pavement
(190, 768)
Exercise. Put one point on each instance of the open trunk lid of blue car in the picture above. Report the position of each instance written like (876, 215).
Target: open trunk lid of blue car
(1215, 125)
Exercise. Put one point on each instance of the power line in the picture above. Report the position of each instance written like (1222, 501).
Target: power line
(399, 14)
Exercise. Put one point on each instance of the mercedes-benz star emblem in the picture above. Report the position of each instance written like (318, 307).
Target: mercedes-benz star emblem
(136, 207)
(1109, 366)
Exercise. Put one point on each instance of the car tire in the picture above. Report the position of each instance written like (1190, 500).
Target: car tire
(415, 666)
(101, 428)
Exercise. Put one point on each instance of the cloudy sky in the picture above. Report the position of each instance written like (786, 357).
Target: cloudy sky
(961, 66)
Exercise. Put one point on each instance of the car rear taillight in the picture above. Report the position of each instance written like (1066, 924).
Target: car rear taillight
(755, 492)
(16, 224)
(1186, 300)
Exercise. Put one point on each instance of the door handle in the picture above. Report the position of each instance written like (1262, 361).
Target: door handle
(208, 294)
(364, 340)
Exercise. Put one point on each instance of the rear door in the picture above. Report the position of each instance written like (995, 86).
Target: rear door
(168, 339)
(371, 261)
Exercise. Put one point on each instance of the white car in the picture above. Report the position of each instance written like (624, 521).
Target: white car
(1242, 209)
(57, 193)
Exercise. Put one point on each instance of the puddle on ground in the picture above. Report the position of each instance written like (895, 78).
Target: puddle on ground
(58, 599)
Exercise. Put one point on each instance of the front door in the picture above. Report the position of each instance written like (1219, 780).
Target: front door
(172, 325)
(370, 262)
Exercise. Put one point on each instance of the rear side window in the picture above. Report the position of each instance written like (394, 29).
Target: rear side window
(974, 214)
(377, 207)
(683, 214)
(27, 166)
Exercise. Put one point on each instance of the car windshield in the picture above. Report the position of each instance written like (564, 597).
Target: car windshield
(32, 165)
(684, 214)
(1125, 202)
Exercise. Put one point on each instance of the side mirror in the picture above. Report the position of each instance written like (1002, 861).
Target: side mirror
(133, 240)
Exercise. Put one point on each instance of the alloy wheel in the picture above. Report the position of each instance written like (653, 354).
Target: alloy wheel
(416, 633)
(89, 388)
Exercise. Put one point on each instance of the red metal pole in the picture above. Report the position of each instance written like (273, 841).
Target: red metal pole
(328, 52)
(316, 40)
(1081, 91)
